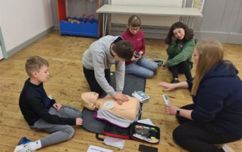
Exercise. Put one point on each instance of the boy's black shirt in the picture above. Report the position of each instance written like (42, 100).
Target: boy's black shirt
(35, 104)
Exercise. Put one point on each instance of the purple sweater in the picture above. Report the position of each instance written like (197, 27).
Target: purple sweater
(137, 41)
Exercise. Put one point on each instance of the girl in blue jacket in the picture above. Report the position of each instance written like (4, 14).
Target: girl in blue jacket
(215, 117)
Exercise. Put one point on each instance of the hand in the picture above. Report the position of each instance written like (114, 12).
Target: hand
(57, 106)
(120, 97)
(135, 58)
(167, 86)
(79, 121)
(137, 55)
(171, 109)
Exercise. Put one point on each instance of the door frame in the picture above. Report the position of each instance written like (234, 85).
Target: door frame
(2, 45)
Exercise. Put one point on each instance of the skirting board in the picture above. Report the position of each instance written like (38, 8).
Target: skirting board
(224, 37)
(28, 42)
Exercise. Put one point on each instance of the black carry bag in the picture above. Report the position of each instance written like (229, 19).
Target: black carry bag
(136, 131)
(145, 132)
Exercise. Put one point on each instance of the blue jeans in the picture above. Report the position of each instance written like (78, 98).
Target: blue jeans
(142, 68)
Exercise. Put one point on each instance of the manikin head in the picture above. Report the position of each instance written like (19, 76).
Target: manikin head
(90, 100)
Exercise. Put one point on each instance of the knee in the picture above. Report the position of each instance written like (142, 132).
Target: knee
(178, 135)
(155, 66)
(149, 74)
(69, 132)
(186, 64)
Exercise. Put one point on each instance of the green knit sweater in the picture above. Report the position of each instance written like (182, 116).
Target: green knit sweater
(180, 51)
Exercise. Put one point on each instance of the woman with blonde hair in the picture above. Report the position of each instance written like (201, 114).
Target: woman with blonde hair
(215, 117)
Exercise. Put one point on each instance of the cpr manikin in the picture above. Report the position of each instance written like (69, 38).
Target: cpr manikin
(107, 108)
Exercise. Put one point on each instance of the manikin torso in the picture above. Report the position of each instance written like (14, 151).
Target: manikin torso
(127, 110)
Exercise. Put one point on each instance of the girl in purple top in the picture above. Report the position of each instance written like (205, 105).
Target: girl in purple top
(138, 65)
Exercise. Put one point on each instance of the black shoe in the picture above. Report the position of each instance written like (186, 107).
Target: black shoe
(175, 80)
(159, 62)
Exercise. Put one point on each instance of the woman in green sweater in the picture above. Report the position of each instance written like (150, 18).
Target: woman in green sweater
(180, 48)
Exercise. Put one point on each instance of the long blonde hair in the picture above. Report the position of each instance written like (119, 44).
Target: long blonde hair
(210, 53)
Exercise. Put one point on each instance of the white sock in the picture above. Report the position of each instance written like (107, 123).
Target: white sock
(35, 145)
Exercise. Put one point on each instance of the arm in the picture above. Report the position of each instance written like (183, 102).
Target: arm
(139, 43)
(43, 113)
(185, 113)
(99, 67)
(58, 106)
(209, 100)
(143, 44)
(172, 110)
(119, 76)
(184, 55)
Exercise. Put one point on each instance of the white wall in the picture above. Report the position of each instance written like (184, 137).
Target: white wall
(222, 20)
(21, 20)
(147, 19)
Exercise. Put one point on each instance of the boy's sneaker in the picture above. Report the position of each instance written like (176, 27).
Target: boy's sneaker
(23, 148)
(226, 148)
(24, 140)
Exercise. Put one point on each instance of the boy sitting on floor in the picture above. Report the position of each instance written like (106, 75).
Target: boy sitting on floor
(43, 113)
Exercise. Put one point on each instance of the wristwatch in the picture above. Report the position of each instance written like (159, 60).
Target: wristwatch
(178, 112)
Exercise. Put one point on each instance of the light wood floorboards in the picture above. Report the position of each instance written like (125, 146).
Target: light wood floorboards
(67, 83)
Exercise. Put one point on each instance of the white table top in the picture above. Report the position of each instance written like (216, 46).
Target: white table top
(149, 10)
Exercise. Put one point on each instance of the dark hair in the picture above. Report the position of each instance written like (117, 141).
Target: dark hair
(134, 21)
(123, 49)
(170, 35)
(34, 63)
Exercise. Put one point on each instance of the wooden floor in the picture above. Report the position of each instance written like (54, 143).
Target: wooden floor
(66, 85)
